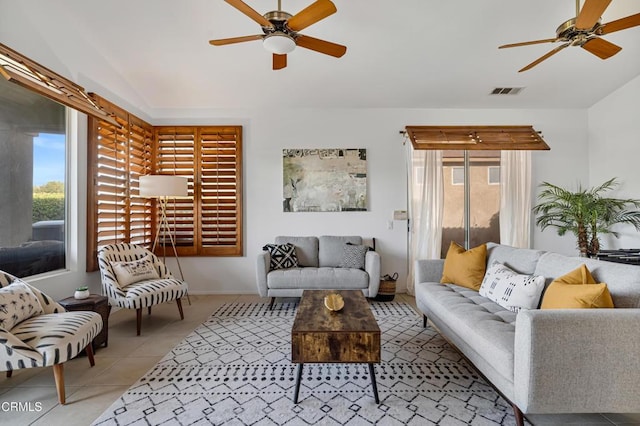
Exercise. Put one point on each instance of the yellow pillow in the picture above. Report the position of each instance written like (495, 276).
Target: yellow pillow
(465, 268)
(575, 290)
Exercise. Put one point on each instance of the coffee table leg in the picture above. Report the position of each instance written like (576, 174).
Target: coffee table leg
(372, 373)
(298, 376)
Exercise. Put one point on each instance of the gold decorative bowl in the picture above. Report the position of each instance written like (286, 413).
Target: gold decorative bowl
(333, 302)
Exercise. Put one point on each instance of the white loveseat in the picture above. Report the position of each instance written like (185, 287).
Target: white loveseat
(319, 268)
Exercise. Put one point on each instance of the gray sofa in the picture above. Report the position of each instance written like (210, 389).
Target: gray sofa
(319, 261)
(545, 361)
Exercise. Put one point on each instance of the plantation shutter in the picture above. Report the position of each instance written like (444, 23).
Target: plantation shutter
(221, 190)
(117, 157)
(209, 222)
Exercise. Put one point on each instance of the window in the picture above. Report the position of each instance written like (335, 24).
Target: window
(33, 143)
(210, 221)
(471, 212)
(493, 175)
(118, 156)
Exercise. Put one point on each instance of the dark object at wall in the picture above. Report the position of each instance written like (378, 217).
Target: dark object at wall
(628, 256)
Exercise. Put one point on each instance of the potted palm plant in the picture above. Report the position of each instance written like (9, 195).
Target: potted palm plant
(586, 213)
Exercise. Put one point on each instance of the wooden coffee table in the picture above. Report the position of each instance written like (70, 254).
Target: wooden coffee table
(351, 335)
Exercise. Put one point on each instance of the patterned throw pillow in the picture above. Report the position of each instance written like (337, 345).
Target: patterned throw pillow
(353, 256)
(17, 303)
(511, 290)
(128, 273)
(283, 256)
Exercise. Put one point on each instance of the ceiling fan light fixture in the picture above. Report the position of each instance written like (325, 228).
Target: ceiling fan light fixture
(279, 43)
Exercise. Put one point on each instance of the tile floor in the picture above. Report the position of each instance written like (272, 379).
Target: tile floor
(90, 391)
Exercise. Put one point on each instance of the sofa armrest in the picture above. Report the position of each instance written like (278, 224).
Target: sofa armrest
(262, 269)
(428, 270)
(372, 267)
(577, 360)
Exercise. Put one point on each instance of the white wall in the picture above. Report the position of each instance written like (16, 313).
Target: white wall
(267, 132)
(614, 151)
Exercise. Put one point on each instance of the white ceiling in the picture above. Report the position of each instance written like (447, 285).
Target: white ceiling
(401, 54)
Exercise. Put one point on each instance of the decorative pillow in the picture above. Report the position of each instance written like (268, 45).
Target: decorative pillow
(353, 256)
(17, 303)
(465, 268)
(576, 290)
(128, 273)
(511, 290)
(283, 256)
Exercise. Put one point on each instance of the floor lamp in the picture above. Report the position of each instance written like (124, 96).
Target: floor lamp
(164, 187)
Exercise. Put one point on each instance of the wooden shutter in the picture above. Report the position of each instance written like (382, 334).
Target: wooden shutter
(209, 222)
(176, 155)
(117, 157)
(221, 190)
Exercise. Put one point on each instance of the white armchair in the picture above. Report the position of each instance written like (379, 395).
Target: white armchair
(36, 331)
(157, 287)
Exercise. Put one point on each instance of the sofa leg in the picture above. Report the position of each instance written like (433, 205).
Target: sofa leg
(273, 300)
(424, 321)
(518, 415)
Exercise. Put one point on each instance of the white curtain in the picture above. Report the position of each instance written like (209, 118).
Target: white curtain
(515, 198)
(424, 174)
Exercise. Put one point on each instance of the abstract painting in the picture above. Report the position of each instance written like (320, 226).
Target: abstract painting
(324, 180)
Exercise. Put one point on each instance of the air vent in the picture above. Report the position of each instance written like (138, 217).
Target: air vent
(506, 90)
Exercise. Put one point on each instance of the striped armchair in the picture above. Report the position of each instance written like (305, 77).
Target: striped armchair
(141, 294)
(36, 331)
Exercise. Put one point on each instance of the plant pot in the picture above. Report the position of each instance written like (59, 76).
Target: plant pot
(81, 294)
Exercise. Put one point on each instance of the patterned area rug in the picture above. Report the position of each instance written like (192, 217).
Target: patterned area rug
(235, 369)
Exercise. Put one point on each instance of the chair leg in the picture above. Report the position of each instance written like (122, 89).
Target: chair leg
(149, 310)
(518, 415)
(9, 373)
(139, 319)
(179, 303)
(58, 375)
(89, 351)
(424, 321)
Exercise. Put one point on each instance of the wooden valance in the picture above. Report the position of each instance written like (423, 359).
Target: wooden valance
(486, 138)
(33, 76)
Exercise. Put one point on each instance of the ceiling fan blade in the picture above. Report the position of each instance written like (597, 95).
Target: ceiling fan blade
(223, 41)
(279, 61)
(621, 24)
(311, 14)
(322, 46)
(527, 43)
(250, 12)
(544, 57)
(603, 49)
(590, 13)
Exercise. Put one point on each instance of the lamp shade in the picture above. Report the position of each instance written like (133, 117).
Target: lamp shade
(279, 43)
(163, 186)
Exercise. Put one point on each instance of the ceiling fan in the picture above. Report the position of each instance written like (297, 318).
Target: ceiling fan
(584, 30)
(281, 30)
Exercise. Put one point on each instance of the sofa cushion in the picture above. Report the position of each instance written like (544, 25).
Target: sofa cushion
(576, 289)
(306, 249)
(282, 256)
(622, 280)
(522, 261)
(17, 303)
(511, 290)
(331, 249)
(353, 256)
(318, 278)
(483, 325)
(465, 267)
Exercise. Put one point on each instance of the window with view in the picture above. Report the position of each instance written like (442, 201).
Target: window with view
(32, 182)
(482, 204)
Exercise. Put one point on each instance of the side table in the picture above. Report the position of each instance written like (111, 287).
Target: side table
(94, 303)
